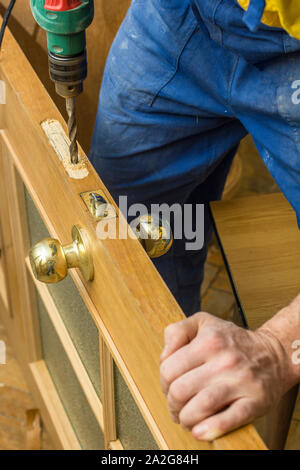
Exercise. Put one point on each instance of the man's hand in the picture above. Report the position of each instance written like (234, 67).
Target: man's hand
(218, 377)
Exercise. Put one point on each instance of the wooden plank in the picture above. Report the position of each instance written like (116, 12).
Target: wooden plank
(125, 280)
(7, 251)
(52, 410)
(261, 241)
(247, 439)
(13, 314)
(116, 445)
(28, 312)
(108, 393)
(71, 351)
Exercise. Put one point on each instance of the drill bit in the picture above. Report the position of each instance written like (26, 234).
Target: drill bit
(72, 127)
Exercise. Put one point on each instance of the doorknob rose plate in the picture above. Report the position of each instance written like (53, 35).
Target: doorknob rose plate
(50, 260)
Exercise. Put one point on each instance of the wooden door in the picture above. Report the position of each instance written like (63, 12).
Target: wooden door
(90, 350)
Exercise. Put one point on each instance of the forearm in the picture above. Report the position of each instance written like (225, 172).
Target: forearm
(284, 327)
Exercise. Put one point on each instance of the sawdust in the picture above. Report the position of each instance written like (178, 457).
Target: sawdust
(60, 142)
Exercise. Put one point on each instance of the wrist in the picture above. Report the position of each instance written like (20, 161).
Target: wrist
(282, 333)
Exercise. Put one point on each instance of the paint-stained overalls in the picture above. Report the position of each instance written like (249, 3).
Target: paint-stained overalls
(185, 81)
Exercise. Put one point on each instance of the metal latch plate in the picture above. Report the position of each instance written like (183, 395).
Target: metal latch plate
(98, 205)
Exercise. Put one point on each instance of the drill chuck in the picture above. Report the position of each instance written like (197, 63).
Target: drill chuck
(68, 73)
(65, 22)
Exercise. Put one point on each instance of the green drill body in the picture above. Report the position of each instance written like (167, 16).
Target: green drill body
(65, 26)
(65, 29)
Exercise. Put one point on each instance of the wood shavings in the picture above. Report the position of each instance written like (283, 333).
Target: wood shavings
(60, 142)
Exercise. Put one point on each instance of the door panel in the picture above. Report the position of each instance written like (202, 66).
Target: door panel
(119, 302)
(84, 422)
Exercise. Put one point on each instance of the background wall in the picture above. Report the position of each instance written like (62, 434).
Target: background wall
(32, 39)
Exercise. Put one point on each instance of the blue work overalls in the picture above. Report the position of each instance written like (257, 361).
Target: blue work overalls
(185, 81)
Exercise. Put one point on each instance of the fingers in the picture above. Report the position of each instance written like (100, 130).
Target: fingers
(210, 376)
(185, 388)
(182, 361)
(178, 335)
(238, 414)
(206, 345)
(205, 404)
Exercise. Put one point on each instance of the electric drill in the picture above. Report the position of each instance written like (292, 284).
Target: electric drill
(65, 22)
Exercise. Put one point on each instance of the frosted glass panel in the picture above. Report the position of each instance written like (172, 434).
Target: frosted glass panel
(70, 305)
(36, 226)
(131, 427)
(70, 392)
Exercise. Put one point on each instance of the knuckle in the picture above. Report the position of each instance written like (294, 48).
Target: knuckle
(197, 347)
(215, 341)
(246, 411)
(165, 373)
(225, 390)
(260, 389)
(208, 402)
(248, 375)
(171, 329)
(202, 317)
(222, 425)
(231, 359)
(185, 419)
(177, 392)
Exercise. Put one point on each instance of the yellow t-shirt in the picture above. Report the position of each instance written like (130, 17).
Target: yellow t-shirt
(281, 14)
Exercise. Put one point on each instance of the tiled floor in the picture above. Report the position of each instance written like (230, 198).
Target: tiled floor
(218, 299)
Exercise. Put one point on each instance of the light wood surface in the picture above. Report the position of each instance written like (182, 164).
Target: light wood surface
(261, 241)
(128, 300)
(108, 393)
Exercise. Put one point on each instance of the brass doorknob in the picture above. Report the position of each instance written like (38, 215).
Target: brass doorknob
(155, 235)
(50, 260)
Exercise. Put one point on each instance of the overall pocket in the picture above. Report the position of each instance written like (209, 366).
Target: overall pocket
(145, 53)
(227, 27)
